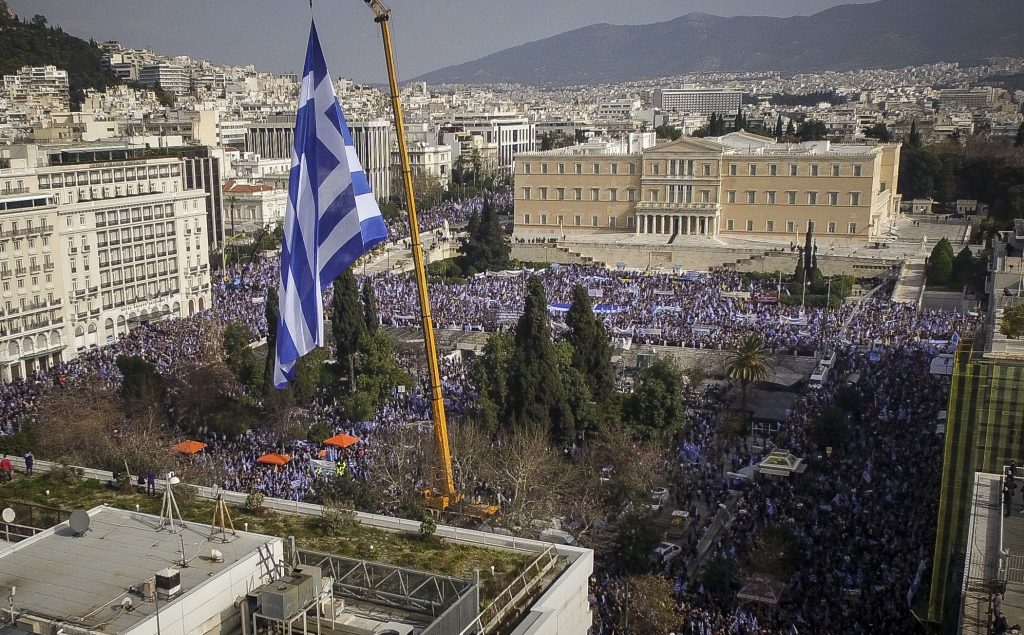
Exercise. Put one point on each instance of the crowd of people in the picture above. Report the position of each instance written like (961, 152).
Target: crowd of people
(861, 515)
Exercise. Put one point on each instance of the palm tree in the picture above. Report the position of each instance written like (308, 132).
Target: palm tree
(750, 362)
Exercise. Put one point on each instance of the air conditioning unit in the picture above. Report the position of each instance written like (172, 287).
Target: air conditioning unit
(149, 588)
(33, 625)
(168, 583)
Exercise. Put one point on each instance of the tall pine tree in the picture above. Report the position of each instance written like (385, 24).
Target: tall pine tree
(591, 348)
(536, 395)
(347, 324)
(272, 312)
(370, 306)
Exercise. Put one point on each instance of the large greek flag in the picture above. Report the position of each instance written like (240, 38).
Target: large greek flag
(332, 217)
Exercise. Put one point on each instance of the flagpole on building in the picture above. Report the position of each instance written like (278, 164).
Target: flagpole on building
(448, 494)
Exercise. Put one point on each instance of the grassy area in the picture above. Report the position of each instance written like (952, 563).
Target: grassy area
(406, 550)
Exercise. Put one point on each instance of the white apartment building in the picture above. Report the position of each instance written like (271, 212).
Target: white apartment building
(38, 88)
(249, 205)
(698, 100)
(513, 133)
(169, 77)
(424, 159)
(114, 236)
(618, 109)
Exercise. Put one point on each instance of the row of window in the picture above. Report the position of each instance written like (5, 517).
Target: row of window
(595, 168)
(794, 169)
(108, 175)
(138, 272)
(577, 220)
(812, 198)
(17, 244)
(769, 226)
(611, 194)
(134, 215)
(21, 284)
(127, 254)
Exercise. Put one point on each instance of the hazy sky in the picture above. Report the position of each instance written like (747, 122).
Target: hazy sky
(428, 34)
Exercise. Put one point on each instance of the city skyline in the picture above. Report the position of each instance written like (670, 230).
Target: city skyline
(426, 38)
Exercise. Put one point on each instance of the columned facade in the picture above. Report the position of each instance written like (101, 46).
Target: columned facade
(667, 223)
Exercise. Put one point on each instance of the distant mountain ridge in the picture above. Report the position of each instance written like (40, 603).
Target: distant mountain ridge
(884, 34)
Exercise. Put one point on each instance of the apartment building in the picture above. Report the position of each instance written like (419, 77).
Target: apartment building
(96, 241)
(38, 88)
(739, 184)
(169, 77)
(698, 100)
(513, 133)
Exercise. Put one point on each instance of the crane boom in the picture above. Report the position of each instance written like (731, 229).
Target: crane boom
(448, 494)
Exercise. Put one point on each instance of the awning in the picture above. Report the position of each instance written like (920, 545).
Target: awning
(274, 459)
(188, 447)
(342, 440)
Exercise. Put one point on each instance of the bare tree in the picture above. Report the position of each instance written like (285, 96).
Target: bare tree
(79, 424)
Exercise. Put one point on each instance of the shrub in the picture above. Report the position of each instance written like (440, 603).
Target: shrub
(428, 526)
(254, 502)
(336, 516)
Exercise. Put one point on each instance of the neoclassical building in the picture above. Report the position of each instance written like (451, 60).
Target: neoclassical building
(738, 184)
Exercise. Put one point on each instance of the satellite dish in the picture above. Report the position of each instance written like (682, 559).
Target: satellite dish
(79, 521)
(8, 515)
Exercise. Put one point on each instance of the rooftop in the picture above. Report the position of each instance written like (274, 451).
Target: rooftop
(81, 579)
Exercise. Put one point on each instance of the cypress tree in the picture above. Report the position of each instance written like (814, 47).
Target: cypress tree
(271, 311)
(591, 349)
(808, 253)
(370, 307)
(536, 395)
(914, 140)
(778, 127)
(738, 122)
(347, 323)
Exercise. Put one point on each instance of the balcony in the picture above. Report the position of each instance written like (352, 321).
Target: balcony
(35, 268)
(14, 191)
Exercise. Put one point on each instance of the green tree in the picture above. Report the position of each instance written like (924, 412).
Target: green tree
(489, 374)
(637, 536)
(347, 324)
(378, 372)
(310, 375)
(140, 380)
(1018, 141)
(536, 395)
(648, 605)
(963, 266)
(831, 428)
(914, 138)
(778, 128)
(657, 404)
(919, 170)
(812, 130)
(945, 183)
(486, 247)
(1012, 325)
(370, 307)
(776, 553)
(879, 131)
(751, 362)
(239, 356)
(667, 131)
(939, 270)
(591, 346)
(790, 129)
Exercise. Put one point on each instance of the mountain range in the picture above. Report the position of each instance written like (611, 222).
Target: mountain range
(884, 34)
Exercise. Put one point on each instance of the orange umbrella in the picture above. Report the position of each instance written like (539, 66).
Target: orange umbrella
(342, 440)
(188, 447)
(274, 459)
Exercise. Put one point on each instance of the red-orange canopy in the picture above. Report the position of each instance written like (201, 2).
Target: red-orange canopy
(274, 459)
(188, 447)
(342, 440)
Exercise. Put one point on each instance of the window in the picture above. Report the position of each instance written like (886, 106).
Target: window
(853, 228)
(577, 194)
(750, 225)
(526, 193)
(773, 169)
(705, 196)
(705, 169)
(543, 219)
(854, 198)
(833, 198)
(561, 220)
(751, 196)
(576, 220)
(769, 198)
(857, 170)
(632, 168)
(630, 195)
(615, 168)
(611, 221)
(561, 168)
(655, 169)
(790, 198)
(526, 219)
(654, 196)
(543, 193)
(835, 169)
(769, 225)
(812, 198)
(792, 169)
(752, 169)
(543, 168)
(579, 168)
(814, 169)
(732, 169)
(791, 226)
(526, 168)
(597, 168)
(595, 194)
(613, 194)
(730, 225)
(730, 196)
(810, 225)
(593, 221)
(831, 228)
(560, 192)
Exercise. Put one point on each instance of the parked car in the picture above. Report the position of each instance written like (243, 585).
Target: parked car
(659, 496)
(665, 552)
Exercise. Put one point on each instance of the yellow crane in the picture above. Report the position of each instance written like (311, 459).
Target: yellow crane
(446, 495)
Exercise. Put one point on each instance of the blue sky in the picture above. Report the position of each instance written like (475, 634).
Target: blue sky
(429, 34)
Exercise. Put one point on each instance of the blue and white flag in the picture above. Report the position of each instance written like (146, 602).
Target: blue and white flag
(332, 217)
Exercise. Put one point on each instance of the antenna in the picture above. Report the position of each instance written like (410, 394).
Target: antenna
(222, 517)
(79, 522)
(169, 507)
